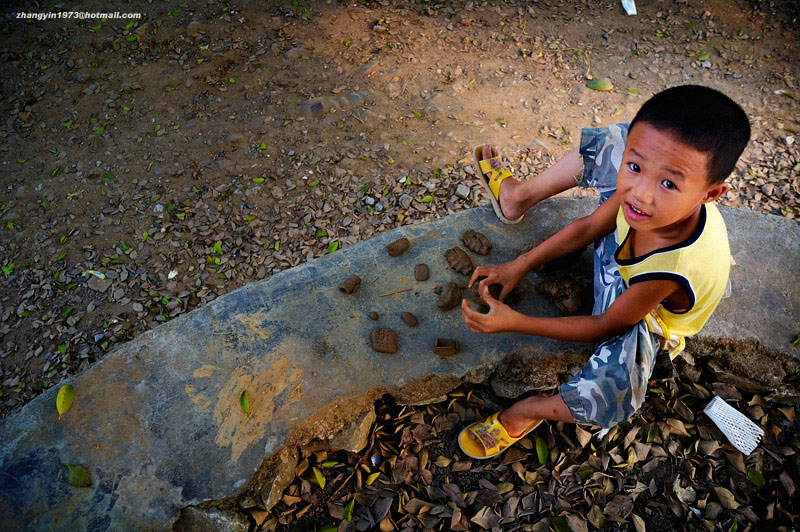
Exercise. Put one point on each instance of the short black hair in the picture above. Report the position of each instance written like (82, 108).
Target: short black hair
(704, 119)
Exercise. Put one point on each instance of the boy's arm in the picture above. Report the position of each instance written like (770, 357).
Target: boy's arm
(627, 310)
(574, 236)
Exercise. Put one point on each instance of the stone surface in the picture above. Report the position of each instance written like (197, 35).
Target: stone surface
(355, 435)
(157, 423)
(210, 520)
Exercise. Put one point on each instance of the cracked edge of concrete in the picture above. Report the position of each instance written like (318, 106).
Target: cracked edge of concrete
(743, 363)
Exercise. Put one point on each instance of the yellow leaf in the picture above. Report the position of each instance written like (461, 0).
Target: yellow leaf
(318, 478)
(372, 477)
(66, 395)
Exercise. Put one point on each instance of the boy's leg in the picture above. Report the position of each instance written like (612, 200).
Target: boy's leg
(612, 385)
(521, 415)
(516, 197)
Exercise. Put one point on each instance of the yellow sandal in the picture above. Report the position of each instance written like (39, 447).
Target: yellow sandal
(492, 436)
(491, 173)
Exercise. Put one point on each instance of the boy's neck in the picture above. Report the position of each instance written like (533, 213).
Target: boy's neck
(649, 240)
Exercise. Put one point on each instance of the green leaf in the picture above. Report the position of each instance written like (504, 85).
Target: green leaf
(318, 478)
(329, 463)
(795, 342)
(333, 246)
(61, 256)
(560, 524)
(126, 108)
(703, 56)
(603, 85)
(124, 246)
(322, 232)
(585, 472)
(250, 217)
(262, 146)
(427, 199)
(131, 38)
(169, 88)
(64, 399)
(129, 25)
(633, 90)
(55, 171)
(373, 477)
(144, 236)
(347, 513)
(347, 43)
(542, 451)
(417, 113)
(314, 183)
(756, 477)
(99, 130)
(244, 402)
(78, 476)
(218, 247)
(62, 348)
(688, 25)
(96, 28)
(652, 434)
(258, 180)
(66, 311)
(734, 527)
(329, 528)
(8, 269)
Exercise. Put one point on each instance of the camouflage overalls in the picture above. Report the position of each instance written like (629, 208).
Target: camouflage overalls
(611, 386)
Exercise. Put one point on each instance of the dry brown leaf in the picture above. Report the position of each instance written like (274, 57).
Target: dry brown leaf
(486, 518)
(638, 522)
(788, 484)
(726, 498)
(584, 436)
(462, 466)
(577, 523)
(676, 426)
(386, 524)
(259, 516)
(596, 517)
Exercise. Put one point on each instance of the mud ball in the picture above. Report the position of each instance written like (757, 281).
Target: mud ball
(421, 272)
(458, 260)
(450, 297)
(410, 319)
(398, 246)
(351, 284)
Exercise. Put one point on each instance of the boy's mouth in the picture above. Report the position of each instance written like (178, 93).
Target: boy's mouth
(635, 213)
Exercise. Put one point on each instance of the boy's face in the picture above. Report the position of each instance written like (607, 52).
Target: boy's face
(663, 181)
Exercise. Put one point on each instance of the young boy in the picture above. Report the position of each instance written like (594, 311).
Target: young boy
(661, 254)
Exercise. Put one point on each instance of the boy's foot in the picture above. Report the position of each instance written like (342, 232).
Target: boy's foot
(489, 438)
(504, 199)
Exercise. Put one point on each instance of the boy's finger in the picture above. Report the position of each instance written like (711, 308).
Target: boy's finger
(475, 275)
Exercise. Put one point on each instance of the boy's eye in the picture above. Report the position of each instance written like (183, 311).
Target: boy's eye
(634, 167)
(669, 185)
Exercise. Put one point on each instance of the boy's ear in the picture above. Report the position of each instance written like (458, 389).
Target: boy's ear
(715, 192)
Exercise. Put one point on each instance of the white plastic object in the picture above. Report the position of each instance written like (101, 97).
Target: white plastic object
(740, 431)
(629, 6)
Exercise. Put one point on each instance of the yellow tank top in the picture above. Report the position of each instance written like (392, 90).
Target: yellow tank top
(700, 264)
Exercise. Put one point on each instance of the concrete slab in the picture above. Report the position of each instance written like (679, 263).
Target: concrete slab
(158, 424)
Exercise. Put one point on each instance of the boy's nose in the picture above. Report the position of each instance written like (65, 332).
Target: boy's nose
(644, 191)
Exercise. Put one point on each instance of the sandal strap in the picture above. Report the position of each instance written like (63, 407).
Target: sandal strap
(492, 434)
(493, 169)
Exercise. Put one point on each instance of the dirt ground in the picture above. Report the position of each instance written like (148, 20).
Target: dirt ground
(148, 168)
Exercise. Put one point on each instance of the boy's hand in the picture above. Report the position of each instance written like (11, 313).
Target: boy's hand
(508, 274)
(499, 319)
